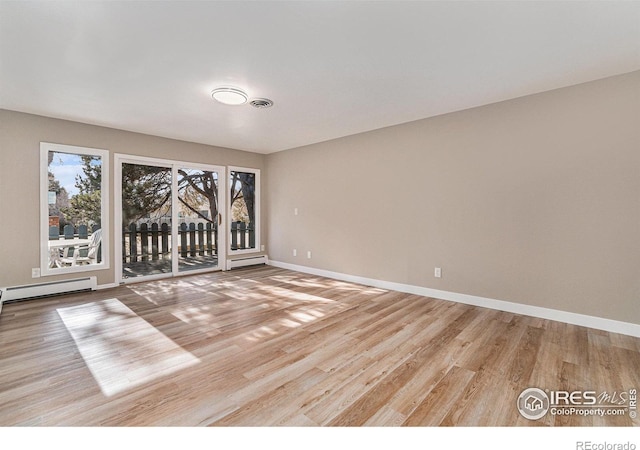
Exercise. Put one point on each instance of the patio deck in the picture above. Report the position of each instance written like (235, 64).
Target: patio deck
(163, 265)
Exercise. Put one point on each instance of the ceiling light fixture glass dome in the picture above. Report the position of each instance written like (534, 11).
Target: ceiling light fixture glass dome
(230, 95)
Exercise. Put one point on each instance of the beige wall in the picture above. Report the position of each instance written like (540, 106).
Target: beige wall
(20, 137)
(534, 200)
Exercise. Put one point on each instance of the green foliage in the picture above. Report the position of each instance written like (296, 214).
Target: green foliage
(85, 207)
(146, 190)
(91, 179)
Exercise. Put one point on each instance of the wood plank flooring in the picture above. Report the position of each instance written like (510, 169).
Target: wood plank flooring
(269, 347)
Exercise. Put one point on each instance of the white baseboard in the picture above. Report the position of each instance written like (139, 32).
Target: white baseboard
(599, 323)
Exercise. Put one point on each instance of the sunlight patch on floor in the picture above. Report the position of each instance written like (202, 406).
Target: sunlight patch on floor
(305, 282)
(242, 294)
(293, 295)
(327, 284)
(200, 315)
(302, 317)
(261, 333)
(121, 349)
(289, 323)
(158, 292)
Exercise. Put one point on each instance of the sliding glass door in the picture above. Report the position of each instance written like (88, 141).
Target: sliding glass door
(146, 220)
(171, 217)
(198, 219)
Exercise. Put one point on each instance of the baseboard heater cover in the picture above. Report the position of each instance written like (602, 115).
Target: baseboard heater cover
(248, 261)
(15, 293)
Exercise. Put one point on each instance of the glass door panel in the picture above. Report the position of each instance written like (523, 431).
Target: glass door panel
(198, 219)
(242, 232)
(146, 220)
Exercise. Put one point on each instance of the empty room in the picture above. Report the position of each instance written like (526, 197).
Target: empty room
(320, 214)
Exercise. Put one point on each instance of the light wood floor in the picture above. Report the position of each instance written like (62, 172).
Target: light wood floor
(265, 346)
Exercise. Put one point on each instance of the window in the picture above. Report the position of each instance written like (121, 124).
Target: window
(244, 212)
(73, 209)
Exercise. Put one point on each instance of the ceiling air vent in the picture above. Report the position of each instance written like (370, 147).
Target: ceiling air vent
(261, 103)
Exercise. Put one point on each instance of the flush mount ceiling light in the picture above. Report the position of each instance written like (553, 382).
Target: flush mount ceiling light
(230, 96)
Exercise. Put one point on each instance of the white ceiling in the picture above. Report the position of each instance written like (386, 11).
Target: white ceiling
(332, 68)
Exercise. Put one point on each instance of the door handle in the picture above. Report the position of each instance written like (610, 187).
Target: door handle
(219, 219)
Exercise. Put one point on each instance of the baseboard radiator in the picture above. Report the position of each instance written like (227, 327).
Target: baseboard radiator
(16, 293)
(248, 261)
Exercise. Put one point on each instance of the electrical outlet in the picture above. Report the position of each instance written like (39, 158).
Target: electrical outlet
(309, 254)
(295, 211)
(262, 248)
(35, 272)
(437, 272)
(295, 252)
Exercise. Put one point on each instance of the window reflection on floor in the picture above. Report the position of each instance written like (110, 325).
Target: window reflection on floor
(121, 349)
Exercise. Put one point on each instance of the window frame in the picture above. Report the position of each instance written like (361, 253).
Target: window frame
(45, 148)
(258, 222)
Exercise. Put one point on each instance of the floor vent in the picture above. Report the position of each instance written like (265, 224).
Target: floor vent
(16, 293)
(248, 261)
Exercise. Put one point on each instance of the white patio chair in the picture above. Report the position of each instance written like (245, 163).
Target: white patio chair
(84, 254)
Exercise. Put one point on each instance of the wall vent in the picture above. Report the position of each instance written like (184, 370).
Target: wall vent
(261, 103)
